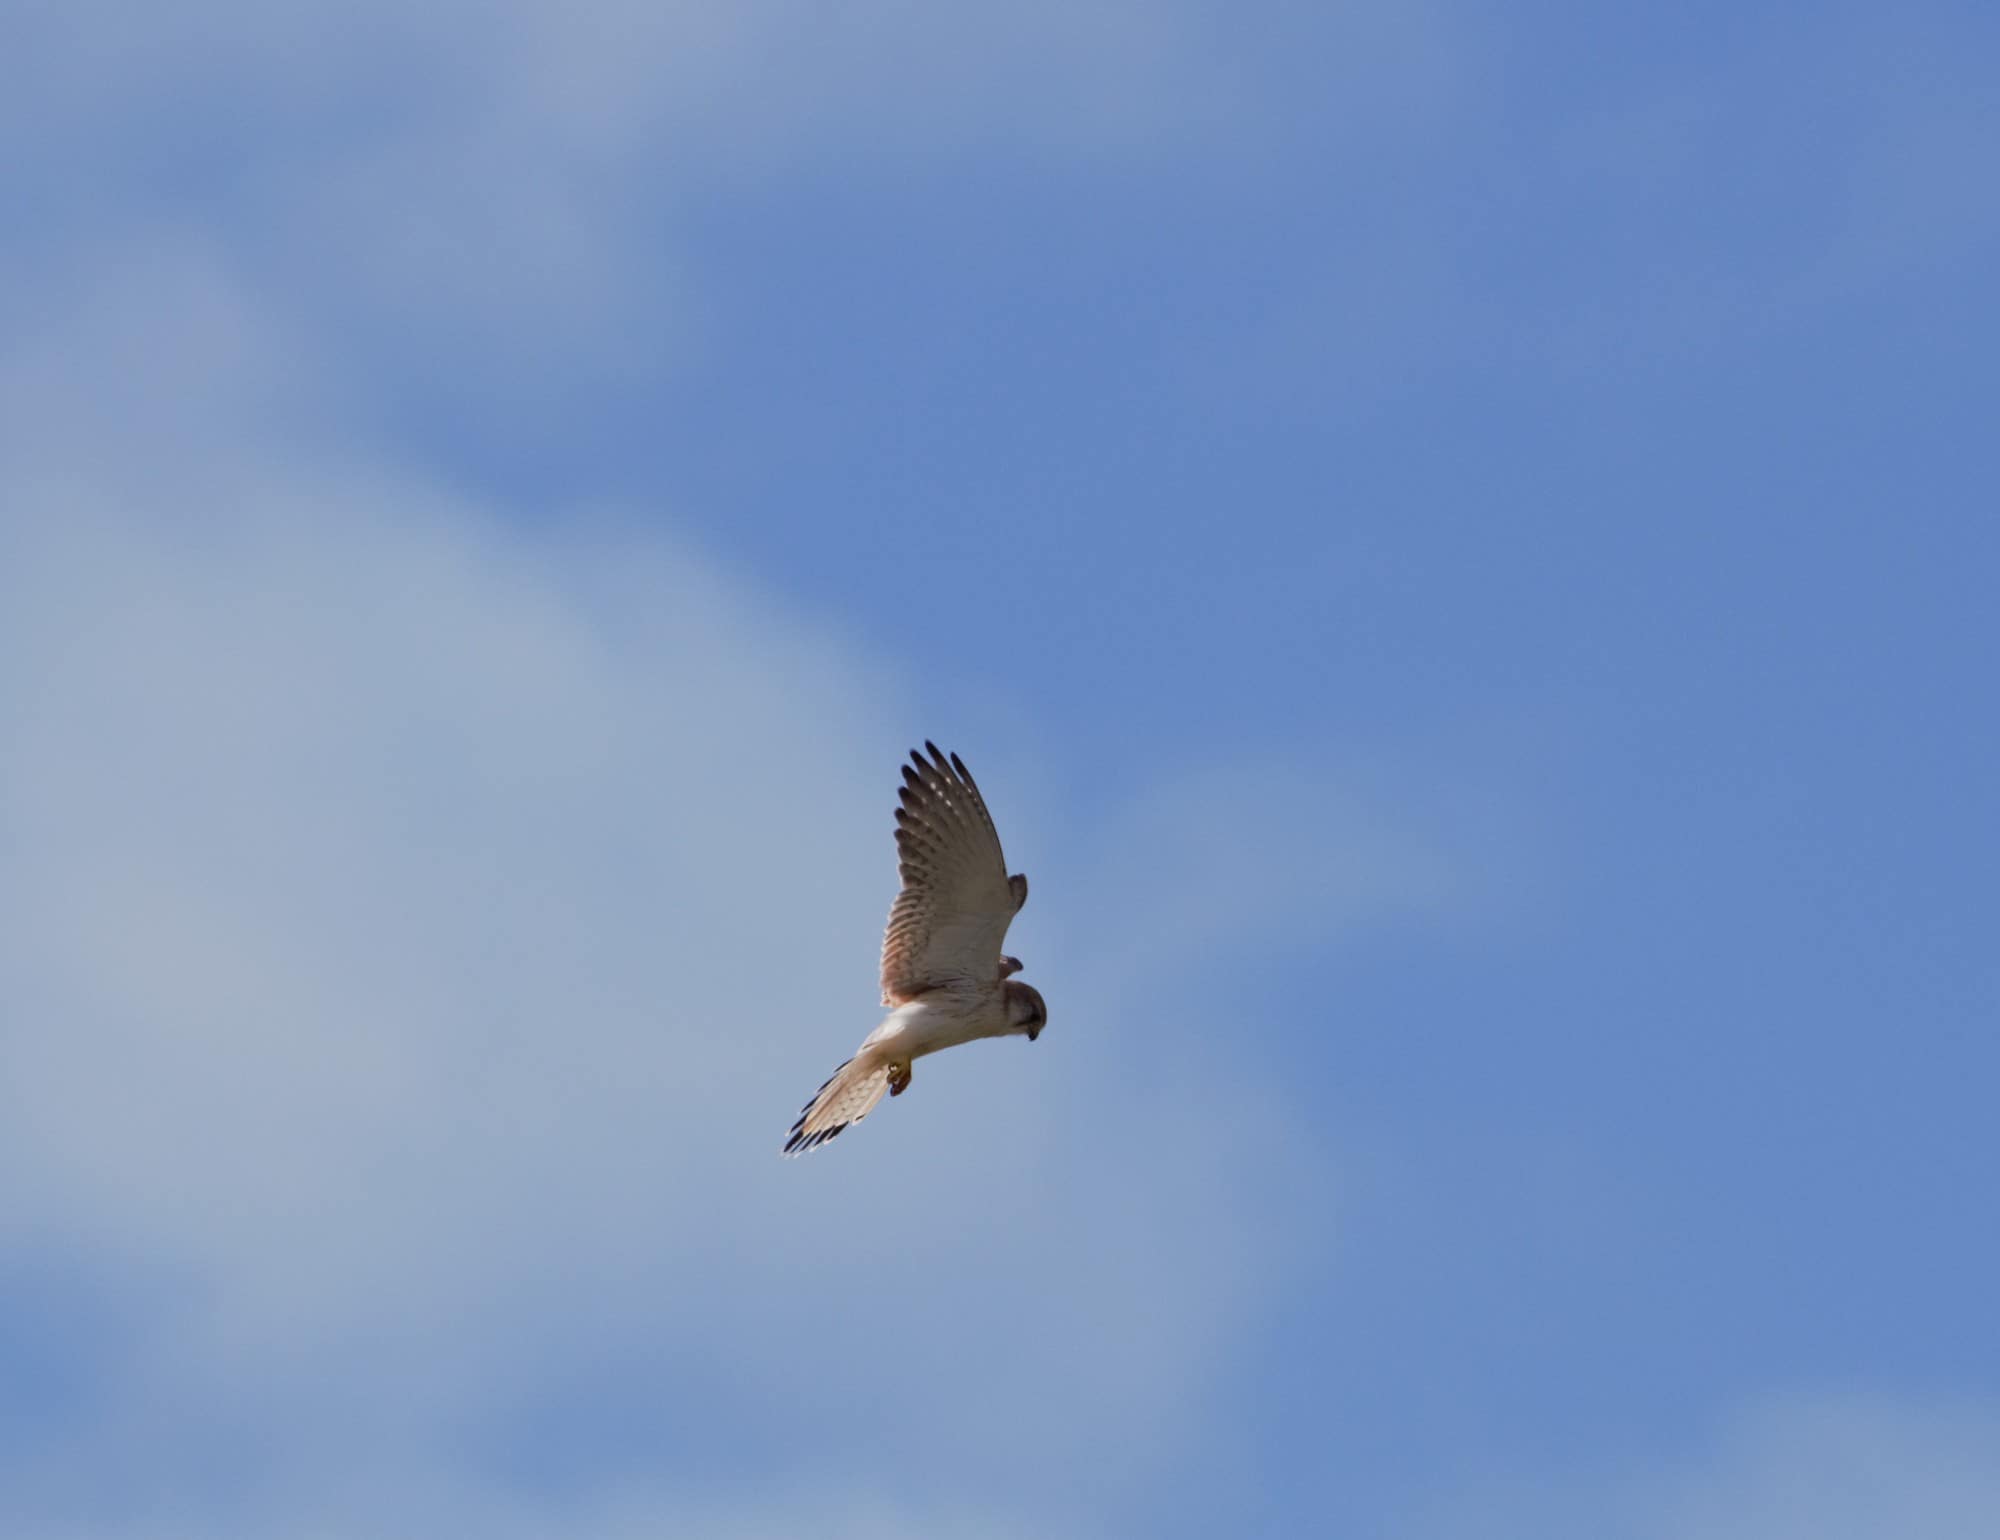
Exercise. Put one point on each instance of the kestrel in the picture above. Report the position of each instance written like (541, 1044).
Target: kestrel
(943, 973)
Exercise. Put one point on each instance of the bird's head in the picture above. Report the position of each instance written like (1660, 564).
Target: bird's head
(1025, 1011)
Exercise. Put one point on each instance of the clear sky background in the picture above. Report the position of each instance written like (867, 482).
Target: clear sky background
(1459, 539)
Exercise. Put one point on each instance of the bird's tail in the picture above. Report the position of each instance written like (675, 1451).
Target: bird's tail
(848, 1096)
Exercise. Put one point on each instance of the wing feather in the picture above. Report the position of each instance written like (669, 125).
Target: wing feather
(948, 922)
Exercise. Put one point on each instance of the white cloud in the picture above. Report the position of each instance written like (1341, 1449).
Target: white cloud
(497, 193)
(713, 88)
(419, 931)
(418, 937)
(492, 183)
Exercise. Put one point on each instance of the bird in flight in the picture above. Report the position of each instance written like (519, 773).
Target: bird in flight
(943, 973)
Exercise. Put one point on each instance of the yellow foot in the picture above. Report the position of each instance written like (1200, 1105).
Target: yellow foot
(899, 1079)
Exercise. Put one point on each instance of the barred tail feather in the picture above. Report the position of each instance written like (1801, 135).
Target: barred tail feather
(848, 1096)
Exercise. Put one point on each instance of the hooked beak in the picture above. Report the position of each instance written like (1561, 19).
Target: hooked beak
(1033, 1033)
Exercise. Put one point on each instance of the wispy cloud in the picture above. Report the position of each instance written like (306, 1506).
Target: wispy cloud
(420, 929)
(419, 926)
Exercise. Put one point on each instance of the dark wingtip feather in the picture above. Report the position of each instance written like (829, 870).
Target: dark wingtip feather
(798, 1144)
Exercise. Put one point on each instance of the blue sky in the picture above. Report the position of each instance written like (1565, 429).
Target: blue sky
(1458, 539)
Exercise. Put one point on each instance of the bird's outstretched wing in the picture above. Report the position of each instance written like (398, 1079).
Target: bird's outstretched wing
(848, 1096)
(947, 924)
